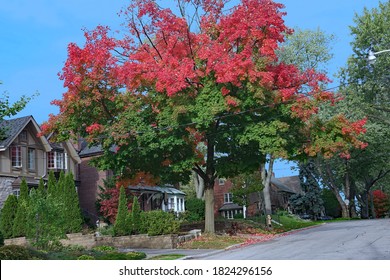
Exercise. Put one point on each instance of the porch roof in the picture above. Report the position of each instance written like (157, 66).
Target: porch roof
(157, 189)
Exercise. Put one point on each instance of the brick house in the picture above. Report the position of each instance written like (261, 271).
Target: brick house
(90, 180)
(25, 154)
(281, 190)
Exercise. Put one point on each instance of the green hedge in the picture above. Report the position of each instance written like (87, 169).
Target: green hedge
(158, 222)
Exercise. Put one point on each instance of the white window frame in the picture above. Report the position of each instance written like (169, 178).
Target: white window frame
(221, 181)
(228, 198)
(16, 192)
(16, 158)
(31, 158)
(58, 160)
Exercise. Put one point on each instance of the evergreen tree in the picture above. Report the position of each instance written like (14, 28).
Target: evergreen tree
(136, 215)
(121, 226)
(20, 223)
(310, 202)
(44, 225)
(51, 184)
(41, 187)
(8, 214)
(73, 213)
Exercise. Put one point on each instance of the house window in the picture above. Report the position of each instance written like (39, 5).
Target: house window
(31, 158)
(16, 156)
(228, 198)
(23, 136)
(171, 205)
(221, 182)
(56, 160)
(16, 193)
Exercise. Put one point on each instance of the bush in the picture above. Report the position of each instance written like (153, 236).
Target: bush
(136, 255)
(195, 208)
(113, 256)
(103, 248)
(158, 222)
(14, 252)
(86, 257)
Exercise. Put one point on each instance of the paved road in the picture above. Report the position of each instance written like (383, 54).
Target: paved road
(352, 240)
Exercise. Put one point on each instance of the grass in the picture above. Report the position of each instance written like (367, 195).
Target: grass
(290, 222)
(209, 241)
(167, 257)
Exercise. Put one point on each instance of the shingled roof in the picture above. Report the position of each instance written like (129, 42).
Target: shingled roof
(12, 128)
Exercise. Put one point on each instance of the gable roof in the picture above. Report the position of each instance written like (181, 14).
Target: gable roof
(292, 182)
(284, 185)
(13, 127)
(60, 146)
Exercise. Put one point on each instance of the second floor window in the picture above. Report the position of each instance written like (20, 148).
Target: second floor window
(56, 160)
(31, 158)
(228, 197)
(16, 156)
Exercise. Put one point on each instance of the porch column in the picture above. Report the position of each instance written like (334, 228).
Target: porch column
(175, 204)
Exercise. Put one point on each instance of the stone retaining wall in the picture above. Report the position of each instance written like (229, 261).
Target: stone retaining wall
(131, 241)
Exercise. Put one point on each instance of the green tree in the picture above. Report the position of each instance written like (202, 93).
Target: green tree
(310, 201)
(20, 223)
(331, 205)
(122, 225)
(245, 185)
(7, 109)
(52, 184)
(136, 215)
(73, 216)
(44, 224)
(220, 85)
(365, 94)
(8, 215)
(41, 187)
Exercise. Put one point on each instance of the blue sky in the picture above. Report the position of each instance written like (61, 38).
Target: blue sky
(35, 35)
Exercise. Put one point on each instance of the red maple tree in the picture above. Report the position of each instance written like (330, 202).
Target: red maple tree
(200, 89)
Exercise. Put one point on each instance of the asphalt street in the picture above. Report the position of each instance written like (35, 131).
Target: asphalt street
(350, 240)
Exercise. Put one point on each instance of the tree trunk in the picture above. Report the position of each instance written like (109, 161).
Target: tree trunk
(266, 176)
(209, 210)
(199, 185)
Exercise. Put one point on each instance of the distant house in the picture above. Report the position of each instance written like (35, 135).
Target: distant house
(281, 190)
(150, 197)
(159, 198)
(24, 154)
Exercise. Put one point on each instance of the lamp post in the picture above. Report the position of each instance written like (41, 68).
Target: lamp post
(372, 56)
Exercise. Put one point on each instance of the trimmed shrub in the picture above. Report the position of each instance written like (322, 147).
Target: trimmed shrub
(158, 222)
(14, 252)
(136, 255)
(113, 256)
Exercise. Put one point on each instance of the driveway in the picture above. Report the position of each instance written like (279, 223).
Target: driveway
(350, 240)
